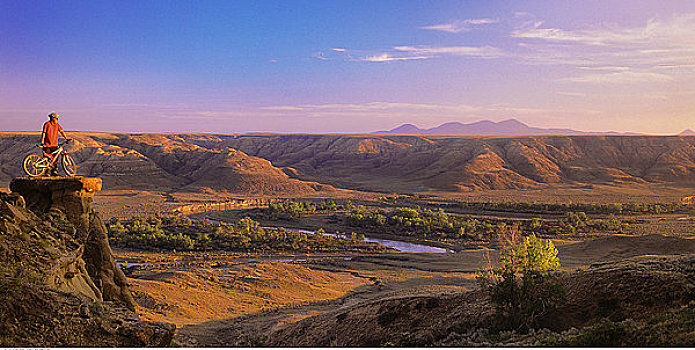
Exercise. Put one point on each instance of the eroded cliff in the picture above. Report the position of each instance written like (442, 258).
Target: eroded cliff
(61, 285)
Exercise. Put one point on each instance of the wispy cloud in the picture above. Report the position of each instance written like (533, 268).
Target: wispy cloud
(626, 77)
(386, 57)
(460, 26)
(606, 68)
(660, 50)
(402, 109)
(410, 53)
(320, 56)
(674, 32)
(436, 51)
(571, 93)
(613, 54)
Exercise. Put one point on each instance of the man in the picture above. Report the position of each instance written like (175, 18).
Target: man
(49, 139)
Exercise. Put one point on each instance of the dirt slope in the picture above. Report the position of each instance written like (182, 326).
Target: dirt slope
(186, 297)
(636, 288)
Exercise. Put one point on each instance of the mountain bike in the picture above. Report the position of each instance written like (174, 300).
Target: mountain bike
(38, 164)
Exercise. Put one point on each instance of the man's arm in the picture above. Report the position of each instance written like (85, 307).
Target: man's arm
(43, 135)
(60, 129)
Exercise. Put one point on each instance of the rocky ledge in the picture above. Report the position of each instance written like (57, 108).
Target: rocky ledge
(59, 280)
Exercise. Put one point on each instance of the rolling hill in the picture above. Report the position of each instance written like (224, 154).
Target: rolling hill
(161, 162)
(298, 164)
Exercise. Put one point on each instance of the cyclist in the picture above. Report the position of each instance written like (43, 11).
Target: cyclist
(49, 139)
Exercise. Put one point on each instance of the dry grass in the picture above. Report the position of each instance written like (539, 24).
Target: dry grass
(199, 295)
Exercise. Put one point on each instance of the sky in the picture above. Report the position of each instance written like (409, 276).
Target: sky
(346, 66)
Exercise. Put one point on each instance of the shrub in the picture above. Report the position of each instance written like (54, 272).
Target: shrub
(524, 287)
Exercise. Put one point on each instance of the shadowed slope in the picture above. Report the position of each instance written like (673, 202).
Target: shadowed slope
(242, 163)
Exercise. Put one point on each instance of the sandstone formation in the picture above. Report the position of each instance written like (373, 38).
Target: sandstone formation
(61, 282)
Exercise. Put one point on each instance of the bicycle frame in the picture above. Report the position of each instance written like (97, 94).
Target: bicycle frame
(55, 154)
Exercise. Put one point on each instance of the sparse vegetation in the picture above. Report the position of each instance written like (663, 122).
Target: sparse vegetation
(181, 233)
(670, 328)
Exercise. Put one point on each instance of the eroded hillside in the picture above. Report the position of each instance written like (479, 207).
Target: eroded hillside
(471, 163)
(161, 162)
(305, 164)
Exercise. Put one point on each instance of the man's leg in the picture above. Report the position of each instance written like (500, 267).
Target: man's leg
(53, 170)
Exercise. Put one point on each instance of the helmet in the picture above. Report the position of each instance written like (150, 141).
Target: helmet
(53, 115)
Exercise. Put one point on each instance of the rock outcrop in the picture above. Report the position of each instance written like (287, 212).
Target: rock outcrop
(61, 283)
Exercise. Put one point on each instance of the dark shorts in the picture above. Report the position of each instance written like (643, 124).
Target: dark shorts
(49, 150)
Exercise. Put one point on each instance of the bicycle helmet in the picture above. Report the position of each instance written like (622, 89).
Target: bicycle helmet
(53, 115)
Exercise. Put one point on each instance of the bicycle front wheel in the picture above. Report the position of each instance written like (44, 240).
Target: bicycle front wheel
(35, 165)
(69, 165)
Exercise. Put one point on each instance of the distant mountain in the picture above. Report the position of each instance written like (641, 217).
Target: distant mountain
(686, 132)
(486, 127)
(406, 129)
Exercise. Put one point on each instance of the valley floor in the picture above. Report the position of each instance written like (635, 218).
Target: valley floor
(229, 299)
(239, 302)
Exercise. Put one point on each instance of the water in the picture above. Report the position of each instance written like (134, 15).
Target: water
(403, 247)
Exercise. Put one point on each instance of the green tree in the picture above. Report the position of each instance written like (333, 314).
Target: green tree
(524, 287)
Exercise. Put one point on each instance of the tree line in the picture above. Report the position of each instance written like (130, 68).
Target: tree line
(588, 208)
(293, 210)
(245, 235)
(440, 225)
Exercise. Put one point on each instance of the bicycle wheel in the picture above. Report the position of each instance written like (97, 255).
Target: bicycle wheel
(69, 165)
(35, 165)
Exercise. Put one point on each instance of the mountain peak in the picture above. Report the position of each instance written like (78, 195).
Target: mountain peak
(482, 127)
(403, 129)
(687, 132)
(512, 121)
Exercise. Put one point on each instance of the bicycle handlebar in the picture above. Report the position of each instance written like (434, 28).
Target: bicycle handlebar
(59, 143)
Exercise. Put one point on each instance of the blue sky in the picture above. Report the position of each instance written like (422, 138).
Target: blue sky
(347, 66)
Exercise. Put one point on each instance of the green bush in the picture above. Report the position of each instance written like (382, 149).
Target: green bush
(604, 334)
(524, 287)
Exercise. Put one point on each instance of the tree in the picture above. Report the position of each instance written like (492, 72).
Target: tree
(524, 287)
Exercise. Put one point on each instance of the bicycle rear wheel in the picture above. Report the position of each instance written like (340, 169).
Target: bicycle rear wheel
(69, 165)
(35, 165)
